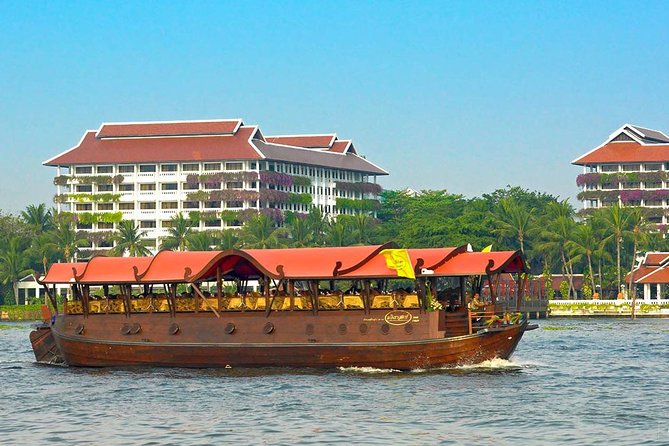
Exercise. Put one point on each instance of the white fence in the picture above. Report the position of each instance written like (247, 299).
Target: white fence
(608, 302)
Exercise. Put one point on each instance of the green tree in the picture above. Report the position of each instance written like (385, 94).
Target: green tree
(514, 220)
(200, 241)
(13, 265)
(228, 239)
(339, 232)
(259, 232)
(585, 243)
(66, 240)
(38, 216)
(128, 238)
(616, 220)
(300, 232)
(179, 231)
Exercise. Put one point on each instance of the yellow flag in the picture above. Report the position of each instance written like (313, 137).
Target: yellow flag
(487, 248)
(398, 259)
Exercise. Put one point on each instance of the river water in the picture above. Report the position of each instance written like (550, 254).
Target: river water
(578, 381)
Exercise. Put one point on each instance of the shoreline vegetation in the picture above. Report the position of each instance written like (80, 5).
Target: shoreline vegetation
(601, 244)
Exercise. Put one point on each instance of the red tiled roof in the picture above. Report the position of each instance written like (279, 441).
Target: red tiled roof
(92, 150)
(661, 275)
(169, 128)
(624, 152)
(308, 141)
(348, 161)
(340, 146)
(655, 258)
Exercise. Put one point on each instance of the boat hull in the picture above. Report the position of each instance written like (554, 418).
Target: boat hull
(197, 345)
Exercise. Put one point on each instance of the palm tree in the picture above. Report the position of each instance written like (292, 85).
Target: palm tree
(318, 222)
(616, 221)
(129, 238)
(66, 240)
(300, 231)
(42, 247)
(339, 232)
(228, 239)
(555, 232)
(362, 225)
(199, 241)
(638, 230)
(38, 217)
(181, 227)
(259, 232)
(585, 242)
(13, 265)
(514, 220)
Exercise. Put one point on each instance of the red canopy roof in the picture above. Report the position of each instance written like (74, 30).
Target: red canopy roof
(62, 272)
(477, 263)
(293, 263)
(102, 270)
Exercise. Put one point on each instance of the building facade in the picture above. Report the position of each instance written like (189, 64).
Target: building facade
(630, 168)
(216, 172)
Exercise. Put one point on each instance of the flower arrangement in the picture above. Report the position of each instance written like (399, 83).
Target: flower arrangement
(358, 205)
(361, 187)
(627, 196)
(61, 180)
(83, 198)
(87, 218)
(299, 198)
(274, 214)
(276, 178)
(233, 195)
(588, 179)
(301, 181)
(273, 196)
(198, 196)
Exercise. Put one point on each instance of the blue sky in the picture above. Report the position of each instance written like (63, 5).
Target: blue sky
(464, 96)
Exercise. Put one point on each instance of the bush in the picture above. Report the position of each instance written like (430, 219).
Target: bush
(564, 289)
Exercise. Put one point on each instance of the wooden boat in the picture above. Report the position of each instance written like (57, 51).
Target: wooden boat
(156, 311)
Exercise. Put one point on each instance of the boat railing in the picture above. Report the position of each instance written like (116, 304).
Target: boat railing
(241, 302)
(492, 316)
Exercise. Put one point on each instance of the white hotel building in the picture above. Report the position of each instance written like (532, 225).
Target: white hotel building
(217, 172)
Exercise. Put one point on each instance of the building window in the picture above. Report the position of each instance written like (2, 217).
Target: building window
(85, 188)
(609, 186)
(147, 205)
(253, 184)
(652, 185)
(126, 169)
(105, 169)
(212, 166)
(212, 185)
(212, 204)
(147, 224)
(253, 165)
(126, 187)
(655, 220)
(147, 187)
(592, 203)
(631, 185)
(105, 188)
(150, 242)
(191, 205)
(84, 207)
(166, 224)
(631, 167)
(653, 202)
(190, 167)
(233, 166)
(168, 167)
(147, 168)
(234, 185)
(103, 225)
(652, 167)
(105, 206)
(169, 186)
(212, 224)
(83, 170)
(126, 206)
(234, 204)
(85, 226)
(189, 186)
(169, 205)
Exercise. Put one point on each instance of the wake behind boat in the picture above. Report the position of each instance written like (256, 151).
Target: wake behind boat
(364, 306)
